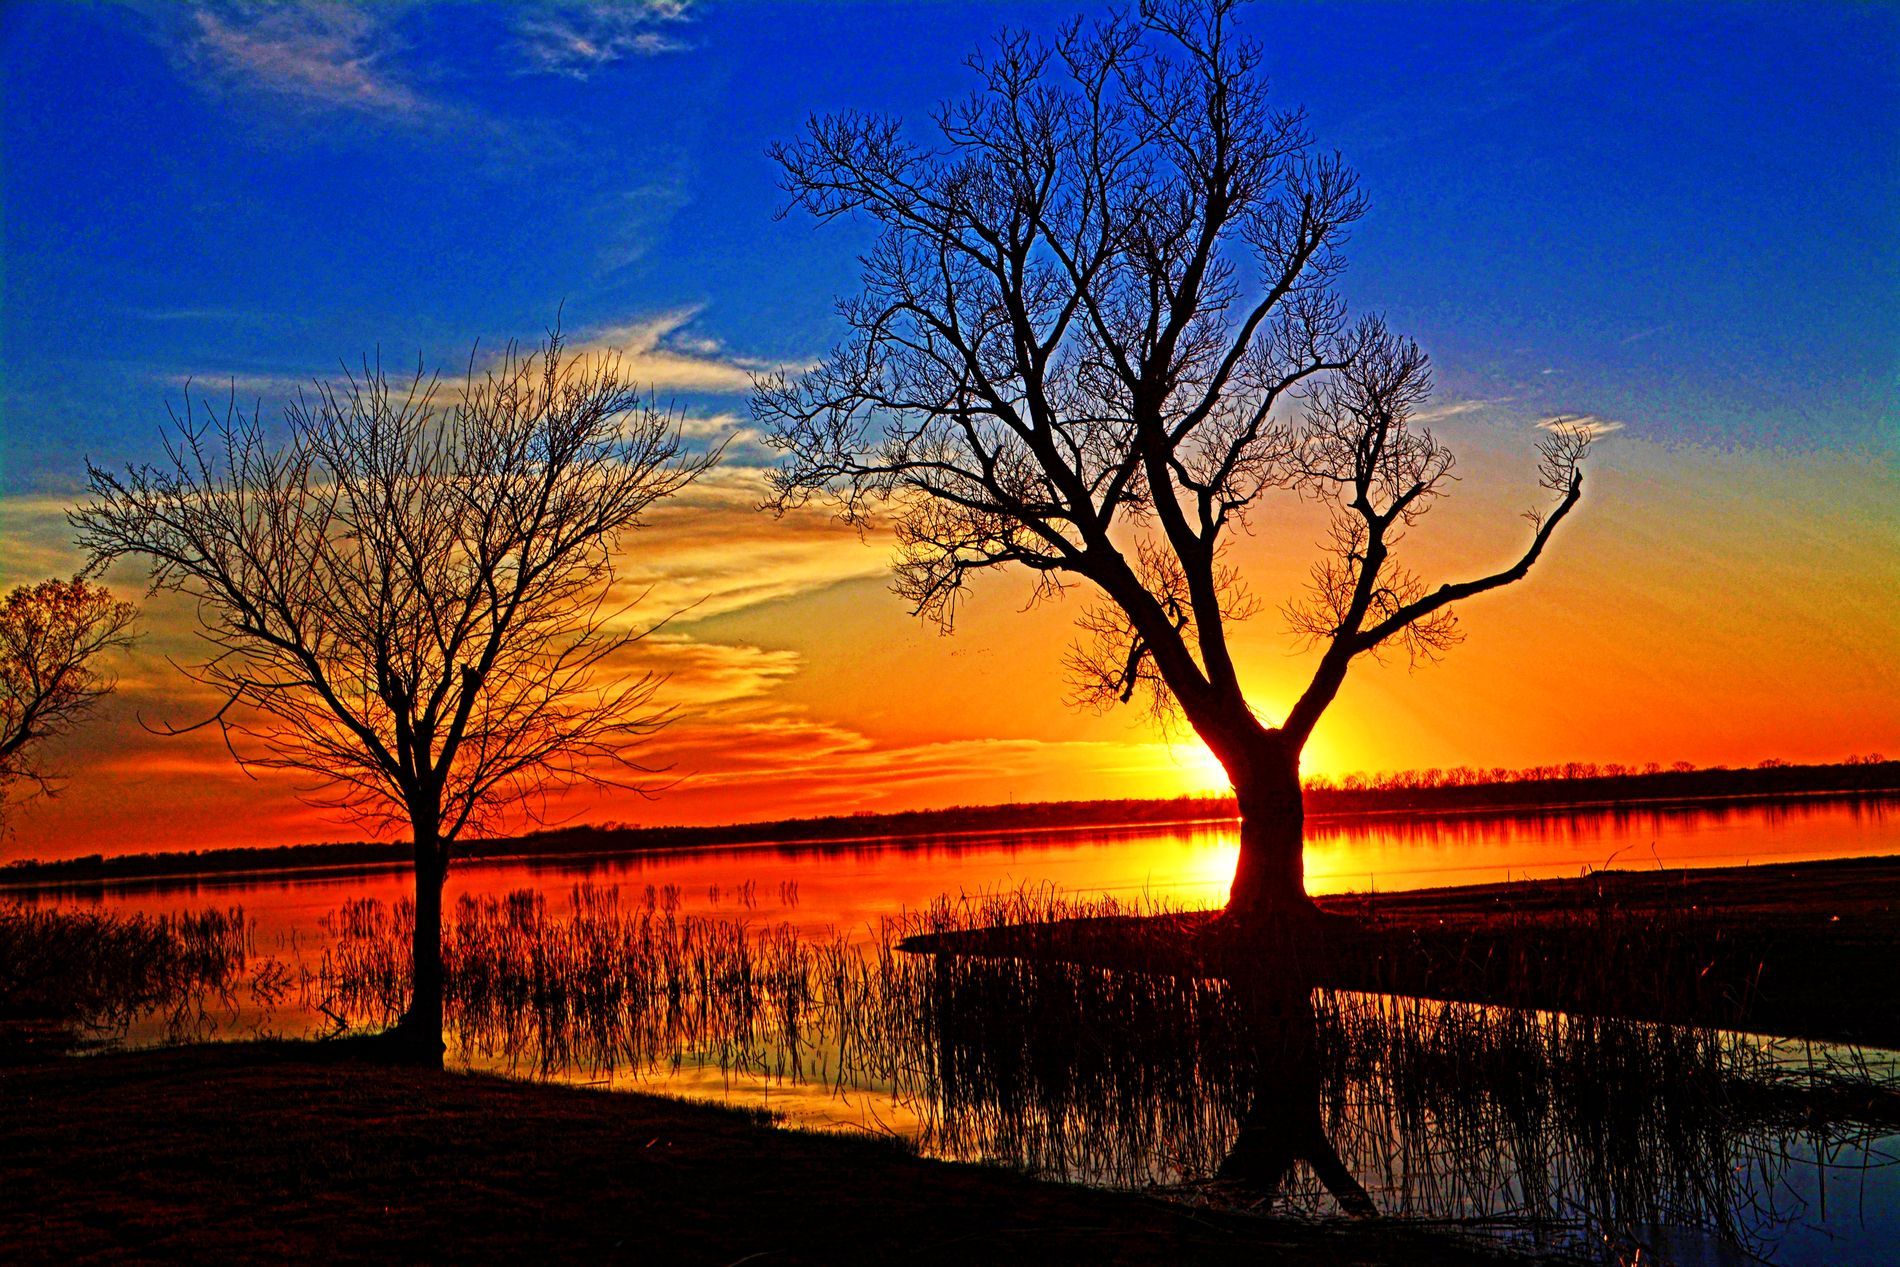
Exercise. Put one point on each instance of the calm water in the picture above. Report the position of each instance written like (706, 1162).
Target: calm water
(764, 976)
(848, 887)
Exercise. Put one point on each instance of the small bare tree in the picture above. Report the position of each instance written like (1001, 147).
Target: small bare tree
(51, 637)
(414, 604)
(1099, 324)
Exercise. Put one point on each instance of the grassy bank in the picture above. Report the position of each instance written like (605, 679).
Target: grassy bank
(279, 1152)
(1808, 949)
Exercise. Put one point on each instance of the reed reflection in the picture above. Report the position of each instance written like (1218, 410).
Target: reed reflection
(89, 979)
(1587, 1134)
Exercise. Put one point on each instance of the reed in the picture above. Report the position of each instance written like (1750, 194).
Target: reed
(103, 975)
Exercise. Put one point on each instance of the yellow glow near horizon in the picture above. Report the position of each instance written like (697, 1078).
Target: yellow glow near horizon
(1200, 772)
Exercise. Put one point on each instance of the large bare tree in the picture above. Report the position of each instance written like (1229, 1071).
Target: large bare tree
(412, 603)
(1098, 325)
(51, 637)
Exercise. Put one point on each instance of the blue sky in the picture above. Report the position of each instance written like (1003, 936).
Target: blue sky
(1684, 217)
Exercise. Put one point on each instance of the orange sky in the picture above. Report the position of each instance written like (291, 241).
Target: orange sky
(1711, 606)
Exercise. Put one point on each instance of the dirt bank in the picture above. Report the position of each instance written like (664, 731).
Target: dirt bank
(254, 1152)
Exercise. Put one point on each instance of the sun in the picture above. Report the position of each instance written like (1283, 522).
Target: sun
(1198, 772)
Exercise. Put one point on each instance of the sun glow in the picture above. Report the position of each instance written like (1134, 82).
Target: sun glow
(1323, 757)
(1201, 772)
(1198, 772)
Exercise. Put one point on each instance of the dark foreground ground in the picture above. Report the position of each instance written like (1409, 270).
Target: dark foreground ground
(267, 1152)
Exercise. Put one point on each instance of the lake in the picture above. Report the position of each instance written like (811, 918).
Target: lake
(849, 886)
(764, 976)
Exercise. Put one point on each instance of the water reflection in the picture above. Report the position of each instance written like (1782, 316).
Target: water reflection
(1590, 1134)
(769, 975)
(849, 886)
(1287, 1121)
(78, 979)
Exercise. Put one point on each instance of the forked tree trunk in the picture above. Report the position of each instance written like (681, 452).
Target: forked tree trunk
(1270, 878)
(420, 1030)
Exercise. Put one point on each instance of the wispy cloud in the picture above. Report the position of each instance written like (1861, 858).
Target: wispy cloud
(665, 353)
(1641, 335)
(576, 40)
(320, 55)
(35, 542)
(772, 761)
(629, 222)
(707, 674)
(745, 443)
(662, 352)
(1454, 409)
(1589, 424)
(189, 314)
(711, 551)
(242, 384)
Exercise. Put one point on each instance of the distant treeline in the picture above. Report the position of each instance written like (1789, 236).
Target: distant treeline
(1586, 782)
(1411, 791)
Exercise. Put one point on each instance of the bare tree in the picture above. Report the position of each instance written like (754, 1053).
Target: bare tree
(410, 603)
(51, 637)
(1097, 326)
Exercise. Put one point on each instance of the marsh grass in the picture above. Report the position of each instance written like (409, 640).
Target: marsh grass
(100, 975)
(1584, 1130)
(1589, 1132)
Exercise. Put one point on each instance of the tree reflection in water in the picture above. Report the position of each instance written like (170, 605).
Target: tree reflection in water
(1246, 1087)
(1286, 1121)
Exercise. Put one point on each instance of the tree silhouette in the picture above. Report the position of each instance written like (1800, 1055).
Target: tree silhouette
(413, 604)
(1097, 327)
(51, 636)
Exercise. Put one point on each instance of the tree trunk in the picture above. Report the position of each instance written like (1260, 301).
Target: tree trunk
(420, 1030)
(1270, 878)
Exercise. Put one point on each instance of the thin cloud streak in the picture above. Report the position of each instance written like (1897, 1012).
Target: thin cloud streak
(1455, 409)
(241, 384)
(661, 353)
(576, 41)
(1589, 424)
